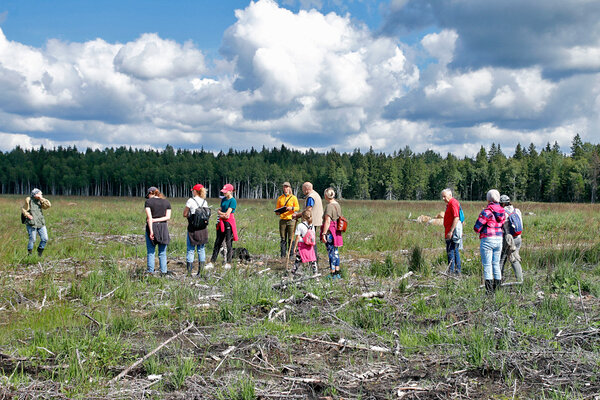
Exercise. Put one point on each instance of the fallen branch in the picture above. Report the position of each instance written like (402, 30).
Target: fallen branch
(108, 294)
(449, 276)
(370, 295)
(141, 360)
(456, 323)
(587, 321)
(91, 319)
(406, 275)
(285, 284)
(345, 343)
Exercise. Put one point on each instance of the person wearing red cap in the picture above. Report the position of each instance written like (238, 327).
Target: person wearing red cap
(226, 228)
(197, 237)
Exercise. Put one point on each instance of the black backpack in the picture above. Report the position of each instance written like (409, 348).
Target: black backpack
(200, 218)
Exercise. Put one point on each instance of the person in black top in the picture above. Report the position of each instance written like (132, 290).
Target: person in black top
(158, 212)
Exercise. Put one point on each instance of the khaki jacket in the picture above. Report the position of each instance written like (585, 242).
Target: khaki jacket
(35, 210)
(317, 210)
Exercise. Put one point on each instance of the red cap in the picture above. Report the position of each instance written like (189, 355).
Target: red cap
(227, 188)
(197, 187)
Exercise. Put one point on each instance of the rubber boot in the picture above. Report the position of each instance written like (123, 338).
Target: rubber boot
(497, 284)
(189, 268)
(200, 267)
(489, 286)
(40, 251)
(283, 248)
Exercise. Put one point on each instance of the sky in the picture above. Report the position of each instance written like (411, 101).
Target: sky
(445, 75)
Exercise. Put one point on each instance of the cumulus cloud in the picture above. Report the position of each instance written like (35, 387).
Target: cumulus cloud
(511, 33)
(151, 57)
(477, 73)
(313, 70)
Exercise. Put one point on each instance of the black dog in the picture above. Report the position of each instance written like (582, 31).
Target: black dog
(241, 253)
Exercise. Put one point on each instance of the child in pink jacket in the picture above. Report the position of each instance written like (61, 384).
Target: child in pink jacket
(305, 243)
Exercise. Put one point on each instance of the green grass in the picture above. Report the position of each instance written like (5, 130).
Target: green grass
(87, 310)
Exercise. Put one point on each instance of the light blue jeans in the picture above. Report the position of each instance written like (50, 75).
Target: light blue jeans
(32, 232)
(162, 255)
(491, 249)
(190, 251)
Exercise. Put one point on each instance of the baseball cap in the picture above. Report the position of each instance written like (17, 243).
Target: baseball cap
(504, 199)
(227, 188)
(151, 189)
(286, 183)
(35, 191)
(197, 187)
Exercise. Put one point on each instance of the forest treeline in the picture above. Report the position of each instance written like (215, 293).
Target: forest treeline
(529, 174)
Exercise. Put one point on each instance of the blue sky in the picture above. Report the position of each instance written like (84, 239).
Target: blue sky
(449, 76)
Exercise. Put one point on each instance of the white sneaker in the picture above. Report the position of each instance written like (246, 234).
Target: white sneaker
(227, 266)
(209, 266)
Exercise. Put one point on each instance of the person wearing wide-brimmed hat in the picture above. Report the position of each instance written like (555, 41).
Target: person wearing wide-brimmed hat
(196, 239)
(34, 220)
(287, 204)
(158, 212)
(226, 227)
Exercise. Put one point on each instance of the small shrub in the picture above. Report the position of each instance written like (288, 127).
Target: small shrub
(417, 260)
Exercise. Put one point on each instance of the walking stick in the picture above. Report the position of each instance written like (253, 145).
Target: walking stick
(287, 261)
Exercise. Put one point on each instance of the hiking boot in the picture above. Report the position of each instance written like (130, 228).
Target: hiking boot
(489, 286)
(497, 284)
(167, 274)
(200, 267)
(189, 266)
(315, 269)
(208, 266)
(29, 252)
(226, 266)
(40, 252)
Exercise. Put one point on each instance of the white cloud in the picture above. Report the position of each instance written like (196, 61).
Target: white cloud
(467, 88)
(441, 45)
(305, 79)
(151, 57)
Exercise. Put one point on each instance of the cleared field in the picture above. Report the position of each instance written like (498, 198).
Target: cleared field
(72, 322)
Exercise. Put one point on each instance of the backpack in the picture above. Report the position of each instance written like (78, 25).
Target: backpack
(461, 214)
(309, 237)
(200, 218)
(23, 217)
(515, 225)
(342, 224)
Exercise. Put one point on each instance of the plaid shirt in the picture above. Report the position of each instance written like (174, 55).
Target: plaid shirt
(489, 223)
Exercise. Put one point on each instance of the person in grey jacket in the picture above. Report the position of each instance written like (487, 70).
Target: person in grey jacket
(511, 244)
(35, 221)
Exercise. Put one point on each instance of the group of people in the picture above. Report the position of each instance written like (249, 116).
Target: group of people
(158, 212)
(499, 226)
(296, 228)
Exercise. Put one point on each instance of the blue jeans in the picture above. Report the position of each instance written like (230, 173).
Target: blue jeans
(491, 249)
(190, 251)
(32, 232)
(162, 255)
(453, 256)
(332, 252)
